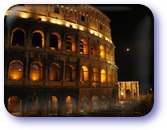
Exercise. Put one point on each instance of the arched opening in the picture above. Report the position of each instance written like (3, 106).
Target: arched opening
(70, 43)
(128, 94)
(32, 108)
(109, 76)
(84, 105)
(103, 76)
(95, 75)
(83, 46)
(93, 49)
(102, 52)
(95, 104)
(38, 39)
(14, 105)
(53, 105)
(70, 73)
(84, 74)
(104, 103)
(36, 71)
(70, 105)
(15, 70)
(18, 37)
(54, 72)
(55, 41)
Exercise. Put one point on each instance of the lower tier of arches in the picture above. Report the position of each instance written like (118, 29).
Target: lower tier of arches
(28, 102)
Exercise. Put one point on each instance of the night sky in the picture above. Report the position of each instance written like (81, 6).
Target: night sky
(132, 28)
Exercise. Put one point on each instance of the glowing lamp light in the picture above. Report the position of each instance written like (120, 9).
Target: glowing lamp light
(100, 35)
(74, 26)
(15, 77)
(96, 33)
(91, 31)
(81, 28)
(67, 25)
(53, 21)
(20, 69)
(34, 78)
(24, 15)
(52, 48)
(59, 22)
(122, 93)
(43, 19)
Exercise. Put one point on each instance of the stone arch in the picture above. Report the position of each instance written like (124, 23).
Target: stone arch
(93, 48)
(128, 94)
(53, 106)
(83, 46)
(15, 71)
(95, 103)
(95, 75)
(18, 37)
(54, 72)
(38, 39)
(36, 70)
(14, 105)
(84, 75)
(70, 44)
(102, 52)
(103, 76)
(107, 55)
(84, 105)
(70, 73)
(33, 105)
(55, 41)
(70, 105)
(104, 103)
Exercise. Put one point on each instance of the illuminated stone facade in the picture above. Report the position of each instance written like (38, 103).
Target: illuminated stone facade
(59, 61)
(128, 91)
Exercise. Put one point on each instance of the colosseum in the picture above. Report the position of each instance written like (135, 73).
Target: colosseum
(59, 61)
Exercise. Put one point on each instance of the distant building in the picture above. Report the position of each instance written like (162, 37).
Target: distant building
(128, 91)
(59, 60)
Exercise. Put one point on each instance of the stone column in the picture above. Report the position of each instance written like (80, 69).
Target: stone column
(64, 42)
(26, 69)
(107, 84)
(124, 90)
(77, 106)
(64, 69)
(90, 76)
(90, 104)
(45, 105)
(89, 47)
(47, 41)
(138, 95)
(132, 92)
(62, 107)
(100, 76)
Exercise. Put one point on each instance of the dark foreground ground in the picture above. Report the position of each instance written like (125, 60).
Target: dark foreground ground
(131, 109)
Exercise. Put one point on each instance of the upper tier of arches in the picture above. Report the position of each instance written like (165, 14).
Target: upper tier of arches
(56, 41)
(80, 17)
